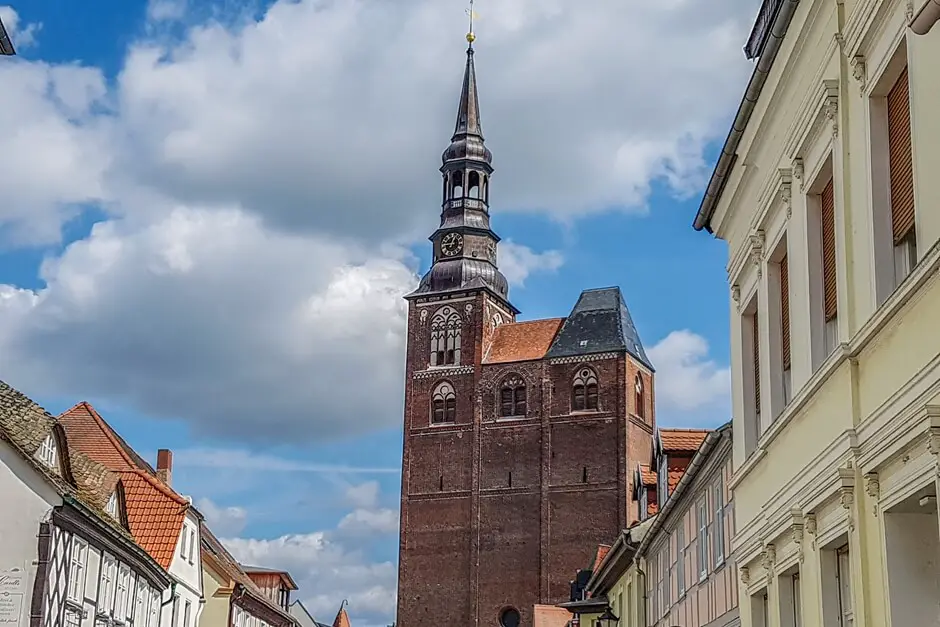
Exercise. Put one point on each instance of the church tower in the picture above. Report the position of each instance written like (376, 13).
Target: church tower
(521, 439)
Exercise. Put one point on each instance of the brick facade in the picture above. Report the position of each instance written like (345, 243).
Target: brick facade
(499, 513)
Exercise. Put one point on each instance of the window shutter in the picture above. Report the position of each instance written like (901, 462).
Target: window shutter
(830, 288)
(756, 363)
(785, 310)
(900, 158)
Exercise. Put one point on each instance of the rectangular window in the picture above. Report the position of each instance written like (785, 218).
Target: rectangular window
(830, 282)
(663, 477)
(108, 576)
(667, 588)
(718, 543)
(175, 615)
(183, 543)
(703, 538)
(154, 618)
(755, 326)
(120, 603)
(192, 545)
(77, 570)
(785, 326)
(901, 178)
(187, 608)
(680, 562)
(843, 574)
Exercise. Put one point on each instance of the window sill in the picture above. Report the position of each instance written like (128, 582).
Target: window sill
(510, 418)
(584, 412)
(437, 425)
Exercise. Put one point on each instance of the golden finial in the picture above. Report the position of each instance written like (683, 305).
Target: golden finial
(471, 37)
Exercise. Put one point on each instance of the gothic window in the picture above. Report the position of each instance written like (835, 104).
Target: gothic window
(639, 396)
(584, 392)
(443, 404)
(473, 185)
(445, 337)
(512, 397)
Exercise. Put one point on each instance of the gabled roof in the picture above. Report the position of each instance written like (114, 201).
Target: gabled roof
(80, 479)
(522, 341)
(599, 323)
(6, 46)
(155, 512)
(682, 440)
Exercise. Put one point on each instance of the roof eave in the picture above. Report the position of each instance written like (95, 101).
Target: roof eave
(755, 86)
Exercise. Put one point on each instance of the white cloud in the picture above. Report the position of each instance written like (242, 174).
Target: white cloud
(368, 522)
(223, 520)
(686, 379)
(165, 10)
(517, 262)
(365, 495)
(229, 459)
(326, 572)
(22, 35)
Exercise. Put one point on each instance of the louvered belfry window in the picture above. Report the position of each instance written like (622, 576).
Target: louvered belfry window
(756, 340)
(785, 311)
(900, 159)
(830, 290)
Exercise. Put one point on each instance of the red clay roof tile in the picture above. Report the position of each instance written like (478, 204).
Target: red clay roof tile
(522, 341)
(550, 616)
(648, 476)
(602, 551)
(342, 618)
(89, 433)
(684, 440)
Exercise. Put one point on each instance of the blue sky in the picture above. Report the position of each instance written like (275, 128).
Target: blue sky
(214, 208)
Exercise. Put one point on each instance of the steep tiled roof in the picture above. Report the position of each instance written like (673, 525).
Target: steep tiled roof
(342, 618)
(602, 551)
(522, 341)
(675, 475)
(683, 440)
(599, 323)
(155, 513)
(550, 616)
(649, 477)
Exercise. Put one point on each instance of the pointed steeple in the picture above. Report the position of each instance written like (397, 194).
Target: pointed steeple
(342, 618)
(468, 111)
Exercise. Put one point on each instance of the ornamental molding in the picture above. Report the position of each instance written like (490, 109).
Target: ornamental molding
(468, 311)
(757, 240)
(859, 72)
(736, 296)
(768, 560)
(583, 358)
(873, 490)
(847, 493)
(796, 530)
(745, 574)
(820, 107)
(442, 372)
(809, 525)
(798, 171)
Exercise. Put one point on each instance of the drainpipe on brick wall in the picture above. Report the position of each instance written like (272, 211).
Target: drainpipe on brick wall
(926, 17)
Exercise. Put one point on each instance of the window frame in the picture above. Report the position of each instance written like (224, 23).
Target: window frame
(718, 544)
(703, 538)
(48, 452)
(844, 586)
(78, 563)
(680, 558)
(585, 387)
(443, 403)
(445, 338)
(512, 400)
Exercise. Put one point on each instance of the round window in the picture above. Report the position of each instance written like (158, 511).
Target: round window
(509, 617)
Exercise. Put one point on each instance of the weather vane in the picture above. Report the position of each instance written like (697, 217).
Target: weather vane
(472, 14)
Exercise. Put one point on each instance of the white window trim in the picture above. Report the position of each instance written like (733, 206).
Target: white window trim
(192, 545)
(112, 506)
(78, 563)
(718, 543)
(680, 559)
(844, 577)
(183, 537)
(703, 538)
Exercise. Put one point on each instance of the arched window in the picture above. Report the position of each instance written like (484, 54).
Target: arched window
(444, 191)
(443, 404)
(584, 391)
(512, 397)
(445, 337)
(473, 185)
(456, 185)
(639, 396)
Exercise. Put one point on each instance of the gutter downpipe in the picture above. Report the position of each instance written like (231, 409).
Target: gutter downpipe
(754, 88)
(926, 17)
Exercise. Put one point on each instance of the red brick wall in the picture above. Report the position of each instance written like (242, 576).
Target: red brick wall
(482, 545)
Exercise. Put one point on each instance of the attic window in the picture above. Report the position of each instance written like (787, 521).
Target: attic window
(48, 452)
(112, 506)
(584, 343)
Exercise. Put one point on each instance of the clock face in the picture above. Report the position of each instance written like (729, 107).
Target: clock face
(451, 244)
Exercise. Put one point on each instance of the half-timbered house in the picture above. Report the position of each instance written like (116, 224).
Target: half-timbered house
(67, 557)
(163, 522)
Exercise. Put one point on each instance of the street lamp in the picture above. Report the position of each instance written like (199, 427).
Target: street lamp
(607, 619)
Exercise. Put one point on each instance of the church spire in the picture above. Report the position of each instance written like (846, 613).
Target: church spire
(464, 243)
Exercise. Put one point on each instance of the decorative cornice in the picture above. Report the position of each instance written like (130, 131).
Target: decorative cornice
(809, 525)
(832, 114)
(736, 296)
(442, 372)
(583, 358)
(797, 170)
(757, 250)
(847, 492)
(796, 530)
(768, 559)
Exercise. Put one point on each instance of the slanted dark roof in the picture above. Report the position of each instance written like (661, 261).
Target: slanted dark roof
(599, 323)
(6, 46)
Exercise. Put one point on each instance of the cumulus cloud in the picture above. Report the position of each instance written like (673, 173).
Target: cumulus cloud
(223, 520)
(22, 35)
(517, 261)
(686, 378)
(326, 572)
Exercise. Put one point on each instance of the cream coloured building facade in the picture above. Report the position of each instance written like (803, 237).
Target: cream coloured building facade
(828, 195)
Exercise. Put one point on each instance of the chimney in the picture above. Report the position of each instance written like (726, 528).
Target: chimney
(165, 466)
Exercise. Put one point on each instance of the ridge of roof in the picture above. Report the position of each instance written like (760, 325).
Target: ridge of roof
(79, 423)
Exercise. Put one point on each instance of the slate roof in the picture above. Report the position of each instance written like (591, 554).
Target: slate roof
(522, 341)
(155, 512)
(682, 440)
(599, 323)
(6, 46)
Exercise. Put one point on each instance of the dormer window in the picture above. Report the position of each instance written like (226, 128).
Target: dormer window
(112, 506)
(48, 452)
